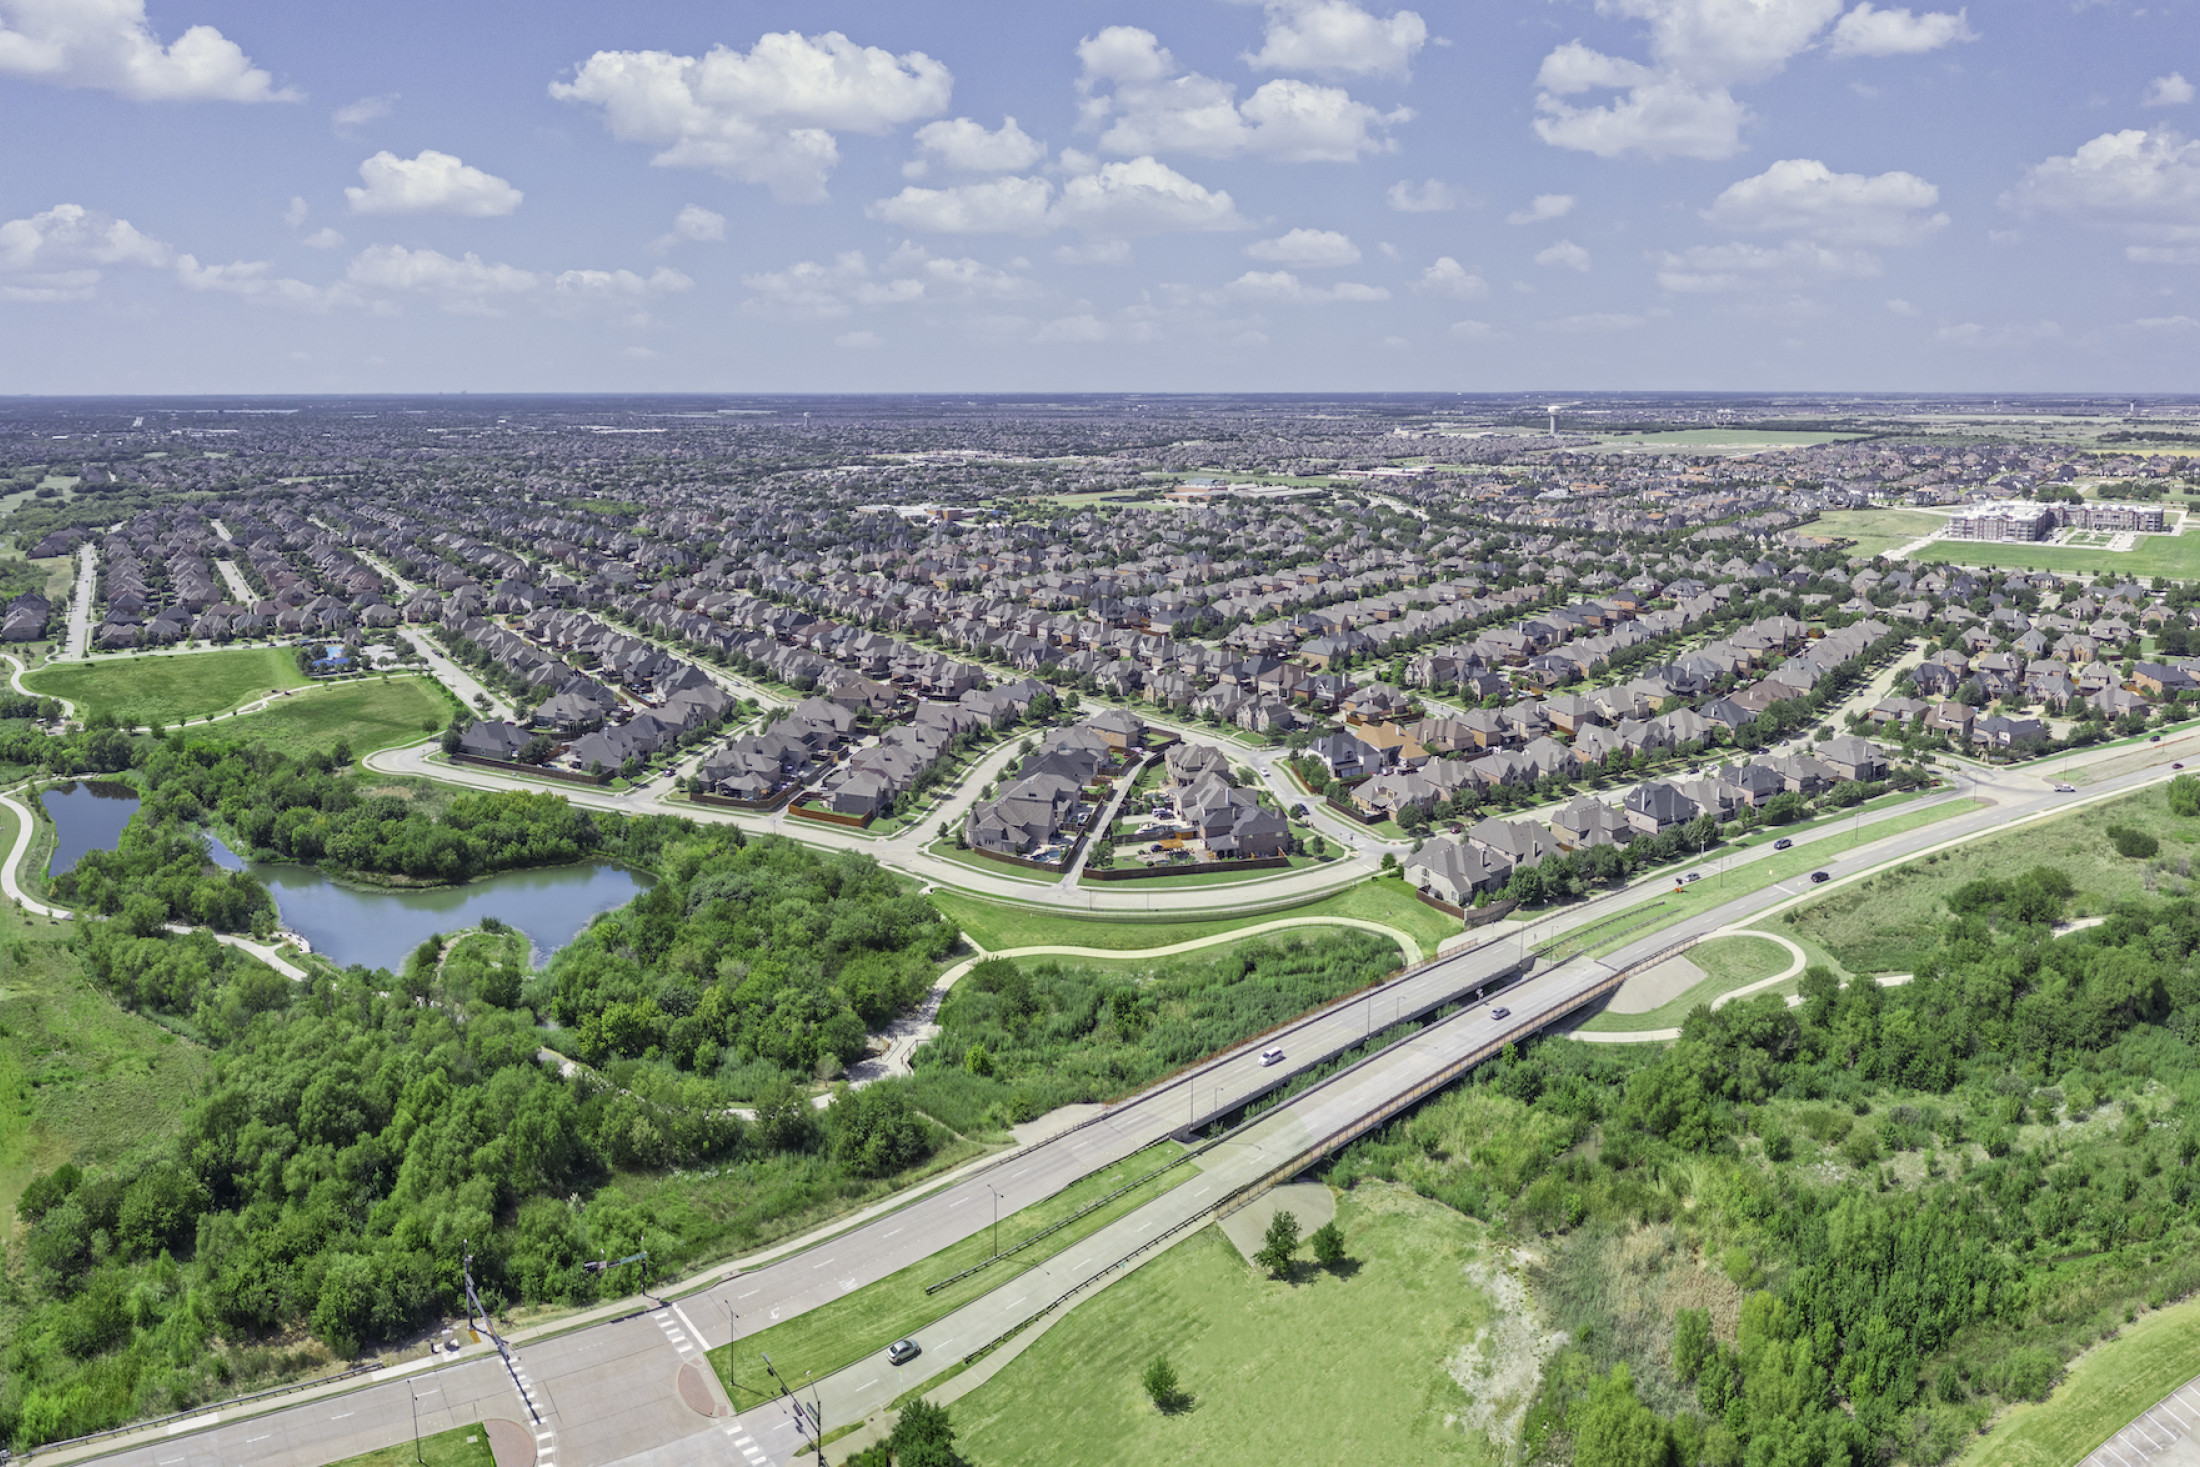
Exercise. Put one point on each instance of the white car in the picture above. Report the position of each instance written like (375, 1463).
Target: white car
(1271, 1057)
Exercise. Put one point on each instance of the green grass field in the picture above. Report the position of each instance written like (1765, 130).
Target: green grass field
(2106, 1388)
(1727, 962)
(374, 714)
(80, 1079)
(1348, 1367)
(998, 926)
(854, 1325)
(461, 1446)
(1879, 924)
(2175, 556)
(1877, 531)
(169, 689)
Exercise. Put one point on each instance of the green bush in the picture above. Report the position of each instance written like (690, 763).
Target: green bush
(2135, 844)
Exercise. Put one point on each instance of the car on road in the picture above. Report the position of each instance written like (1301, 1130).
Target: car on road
(1691, 876)
(901, 1352)
(2177, 766)
(1818, 876)
(1501, 1013)
(1271, 1057)
(2066, 789)
(1782, 843)
(2155, 739)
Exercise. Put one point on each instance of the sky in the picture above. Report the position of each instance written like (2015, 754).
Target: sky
(233, 196)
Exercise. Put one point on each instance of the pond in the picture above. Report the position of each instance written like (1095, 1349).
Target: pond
(377, 926)
(374, 926)
(88, 815)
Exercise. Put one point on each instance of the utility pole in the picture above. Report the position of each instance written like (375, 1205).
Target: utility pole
(996, 1220)
(415, 1394)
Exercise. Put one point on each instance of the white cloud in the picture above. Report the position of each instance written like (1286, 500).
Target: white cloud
(964, 146)
(2162, 254)
(997, 206)
(1565, 254)
(323, 238)
(1804, 196)
(1143, 196)
(1660, 118)
(62, 253)
(1680, 103)
(1473, 330)
(766, 115)
(1430, 196)
(2167, 91)
(2148, 182)
(1336, 36)
(1971, 333)
(911, 275)
(1140, 196)
(469, 285)
(109, 46)
(1447, 279)
(362, 112)
(1900, 307)
(859, 340)
(1131, 96)
(1721, 268)
(1281, 287)
(1098, 252)
(295, 215)
(1870, 31)
(1543, 209)
(1306, 248)
(1082, 328)
(2175, 325)
(432, 183)
(695, 224)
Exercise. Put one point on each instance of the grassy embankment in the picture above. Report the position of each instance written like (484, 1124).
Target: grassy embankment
(2107, 1386)
(1000, 926)
(1360, 1364)
(1728, 963)
(168, 689)
(461, 1446)
(840, 1333)
(1879, 924)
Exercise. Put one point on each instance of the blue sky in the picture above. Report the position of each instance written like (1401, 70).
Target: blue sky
(216, 195)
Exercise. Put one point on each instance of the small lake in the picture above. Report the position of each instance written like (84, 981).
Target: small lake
(88, 815)
(373, 926)
(377, 926)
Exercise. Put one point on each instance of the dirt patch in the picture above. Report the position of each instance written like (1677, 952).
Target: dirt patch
(1311, 1203)
(1655, 987)
(1501, 1368)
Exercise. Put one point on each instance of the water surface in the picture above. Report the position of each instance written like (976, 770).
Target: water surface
(88, 815)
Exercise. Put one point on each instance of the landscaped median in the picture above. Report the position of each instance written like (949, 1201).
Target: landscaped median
(838, 1334)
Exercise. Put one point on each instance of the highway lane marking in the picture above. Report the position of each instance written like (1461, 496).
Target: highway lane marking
(263, 1436)
(828, 1263)
(959, 1201)
(750, 1294)
(342, 1414)
(897, 1230)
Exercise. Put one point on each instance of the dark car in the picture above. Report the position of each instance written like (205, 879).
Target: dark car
(1782, 843)
(2155, 739)
(1818, 876)
(901, 1352)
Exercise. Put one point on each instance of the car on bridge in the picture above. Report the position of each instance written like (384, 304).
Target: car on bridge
(1501, 1013)
(1271, 1057)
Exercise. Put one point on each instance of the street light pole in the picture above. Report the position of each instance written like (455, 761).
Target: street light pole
(996, 1220)
(410, 1391)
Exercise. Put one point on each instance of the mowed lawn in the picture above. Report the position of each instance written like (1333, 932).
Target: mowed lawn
(1728, 963)
(1877, 531)
(374, 714)
(2175, 556)
(999, 926)
(2106, 1388)
(169, 689)
(461, 1446)
(1345, 1367)
(1880, 924)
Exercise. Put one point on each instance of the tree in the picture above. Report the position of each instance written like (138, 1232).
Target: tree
(1328, 1244)
(1277, 1246)
(1691, 1342)
(1162, 1386)
(923, 1436)
(1613, 1428)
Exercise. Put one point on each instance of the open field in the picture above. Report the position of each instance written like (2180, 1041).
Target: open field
(1879, 924)
(1353, 1366)
(169, 689)
(997, 926)
(2176, 556)
(1877, 531)
(80, 1079)
(1727, 962)
(373, 714)
(854, 1325)
(2107, 1386)
(461, 1446)
(1737, 439)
